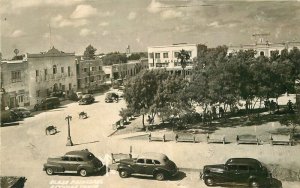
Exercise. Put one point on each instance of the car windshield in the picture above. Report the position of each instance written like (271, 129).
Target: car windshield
(166, 159)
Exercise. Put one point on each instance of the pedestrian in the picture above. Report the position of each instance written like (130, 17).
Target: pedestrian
(221, 112)
(290, 106)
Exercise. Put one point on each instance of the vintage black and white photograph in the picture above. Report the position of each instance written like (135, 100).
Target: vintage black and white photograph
(150, 93)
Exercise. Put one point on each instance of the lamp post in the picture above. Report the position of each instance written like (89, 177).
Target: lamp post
(2, 95)
(69, 140)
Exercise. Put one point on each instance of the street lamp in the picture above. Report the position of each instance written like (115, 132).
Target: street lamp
(69, 140)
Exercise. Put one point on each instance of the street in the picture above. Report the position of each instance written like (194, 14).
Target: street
(26, 147)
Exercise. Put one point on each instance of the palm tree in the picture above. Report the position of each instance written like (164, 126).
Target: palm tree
(183, 56)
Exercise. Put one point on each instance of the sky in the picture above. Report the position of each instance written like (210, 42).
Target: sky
(112, 25)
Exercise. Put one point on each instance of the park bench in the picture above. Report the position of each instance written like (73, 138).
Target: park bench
(185, 138)
(281, 139)
(116, 157)
(153, 136)
(247, 139)
(215, 138)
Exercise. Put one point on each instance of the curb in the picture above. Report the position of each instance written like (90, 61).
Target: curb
(112, 133)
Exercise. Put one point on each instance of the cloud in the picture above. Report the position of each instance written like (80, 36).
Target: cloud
(103, 24)
(59, 21)
(131, 16)
(154, 6)
(214, 24)
(84, 11)
(86, 32)
(106, 14)
(169, 14)
(104, 33)
(17, 33)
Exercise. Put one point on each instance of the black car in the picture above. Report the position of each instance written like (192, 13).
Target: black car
(22, 112)
(111, 97)
(47, 103)
(86, 99)
(237, 171)
(155, 164)
(81, 162)
(7, 116)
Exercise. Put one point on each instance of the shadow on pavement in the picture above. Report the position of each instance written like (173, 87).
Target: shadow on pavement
(181, 175)
(276, 184)
(10, 124)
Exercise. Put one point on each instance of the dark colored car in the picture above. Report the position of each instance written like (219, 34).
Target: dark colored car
(12, 181)
(81, 162)
(47, 103)
(86, 99)
(237, 171)
(111, 97)
(22, 112)
(155, 164)
(8, 116)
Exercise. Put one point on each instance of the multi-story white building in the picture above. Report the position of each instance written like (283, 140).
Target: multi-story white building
(167, 56)
(264, 47)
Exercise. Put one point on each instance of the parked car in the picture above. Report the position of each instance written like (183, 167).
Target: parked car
(47, 103)
(79, 95)
(156, 164)
(120, 92)
(81, 162)
(237, 171)
(86, 99)
(8, 116)
(111, 97)
(22, 112)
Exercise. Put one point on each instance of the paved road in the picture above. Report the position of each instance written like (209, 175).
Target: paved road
(25, 147)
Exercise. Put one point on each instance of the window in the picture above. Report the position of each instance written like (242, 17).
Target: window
(99, 67)
(38, 93)
(62, 70)
(166, 55)
(157, 55)
(73, 159)
(45, 73)
(243, 168)
(140, 161)
(176, 54)
(261, 53)
(85, 79)
(70, 86)
(21, 98)
(156, 162)
(151, 55)
(37, 73)
(64, 158)
(93, 68)
(149, 161)
(79, 159)
(92, 79)
(54, 69)
(232, 167)
(85, 69)
(15, 76)
(69, 71)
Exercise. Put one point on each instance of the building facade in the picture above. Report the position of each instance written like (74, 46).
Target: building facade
(125, 70)
(167, 57)
(14, 83)
(264, 47)
(50, 73)
(90, 74)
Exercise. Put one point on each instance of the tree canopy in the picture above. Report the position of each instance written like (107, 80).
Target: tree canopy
(89, 52)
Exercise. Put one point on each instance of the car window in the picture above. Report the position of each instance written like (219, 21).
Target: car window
(64, 158)
(79, 159)
(243, 168)
(156, 162)
(232, 167)
(149, 161)
(251, 168)
(140, 161)
(166, 158)
(73, 159)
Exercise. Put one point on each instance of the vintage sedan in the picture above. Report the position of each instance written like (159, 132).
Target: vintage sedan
(157, 165)
(80, 162)
(86, 99)
(237, 171)
(22, 112)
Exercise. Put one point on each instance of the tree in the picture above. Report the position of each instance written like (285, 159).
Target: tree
(183, 56)
(89, 52)
(114, 58)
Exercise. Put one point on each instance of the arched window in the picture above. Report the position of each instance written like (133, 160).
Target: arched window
(54, 69)
(262, 53)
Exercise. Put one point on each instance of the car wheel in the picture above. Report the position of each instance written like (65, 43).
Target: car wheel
(49, 171)
(209, 182)
(124, 173)
(83, 172)
(159, 176)
(254, 183)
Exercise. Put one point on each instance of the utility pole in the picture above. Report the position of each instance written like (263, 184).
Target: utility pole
(69, 140)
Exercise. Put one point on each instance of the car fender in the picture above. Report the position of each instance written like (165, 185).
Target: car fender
(124, 167)
(56, 168)
(87, 168)
(160, 170)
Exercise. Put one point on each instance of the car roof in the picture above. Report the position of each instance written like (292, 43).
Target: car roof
(245, 161)
(153, 155)
(80, 153)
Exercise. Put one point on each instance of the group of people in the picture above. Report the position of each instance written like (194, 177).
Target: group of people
(272, 106)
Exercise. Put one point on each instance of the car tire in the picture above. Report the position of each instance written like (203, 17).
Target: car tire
(159, 176)
(83, 172)
(49, 171)
(209, 181)
(124, 174)
(254, 184)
